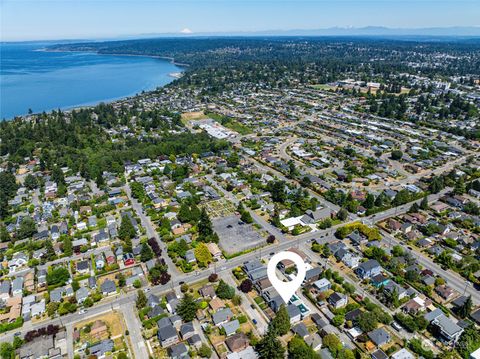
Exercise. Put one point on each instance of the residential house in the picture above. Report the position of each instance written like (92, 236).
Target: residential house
(368, 269)
(338, 300)
(231, 327)
(294, 313)
(178, 351)
(379, 337)
(167, 334)
(187, 330)
(222, 316)
(108, 287)
(322, 285)
(237, 342)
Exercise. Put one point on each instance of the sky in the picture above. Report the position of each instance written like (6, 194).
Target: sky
(85, 19)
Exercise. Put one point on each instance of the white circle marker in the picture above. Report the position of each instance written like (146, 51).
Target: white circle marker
(286, 289)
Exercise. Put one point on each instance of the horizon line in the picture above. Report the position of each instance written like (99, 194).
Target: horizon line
(393, 32)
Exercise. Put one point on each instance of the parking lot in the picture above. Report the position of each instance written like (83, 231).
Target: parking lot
(236, 236)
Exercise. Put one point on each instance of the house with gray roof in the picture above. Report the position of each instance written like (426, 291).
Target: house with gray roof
(17, 287)
(57, 294)
(108, 287)
(294, 313)
(449, 332)
(379, 336)
(187, 330)
(195, 341)
(231, 327)
(167, 335)
(222, 316)
(301, 330)
(5, 290)
(178, 351)
(368, 269)
(81, 294)
(100, 349)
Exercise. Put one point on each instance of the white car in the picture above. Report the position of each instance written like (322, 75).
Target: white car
(83, 311)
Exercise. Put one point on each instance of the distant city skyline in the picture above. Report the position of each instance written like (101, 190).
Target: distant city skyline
(74, 19)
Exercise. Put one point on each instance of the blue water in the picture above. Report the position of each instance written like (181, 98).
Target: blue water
(43, 81)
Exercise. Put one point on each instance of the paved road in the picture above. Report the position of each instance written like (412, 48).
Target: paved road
(135, 330)
(262, 325)
(151, 232)
(453, 279)
(284, 243)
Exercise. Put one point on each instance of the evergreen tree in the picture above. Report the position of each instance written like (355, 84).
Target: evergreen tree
(281, 323)
(424, 203)
(146, 253)
(99, 180)
(141, 299)
(205, 230)
(67, 247)
(342, 214)
(31, 182)
(413, 208)
(465, 310)
(369, 201)
(4, 236)
(224, 291)
(459, 187)
(187, 308)
(50, 255)
(269, 347)
(127, 230)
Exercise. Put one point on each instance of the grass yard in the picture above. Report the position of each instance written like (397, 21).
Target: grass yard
(192, 116)
(113, 320)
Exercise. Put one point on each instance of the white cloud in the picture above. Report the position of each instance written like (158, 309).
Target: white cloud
(186, 31)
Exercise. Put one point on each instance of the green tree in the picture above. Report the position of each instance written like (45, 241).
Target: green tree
(203, 255)
(187, 308)
(396, 155)
(7, 351)
(465, 310)
(142, 300)
(369, 201)
(298, 349)
(127, 230)
(121, 280)
(281, 323)
(269, 347)
(224, 291)
(52, 308)
(205, 351)
(342, 214)
(237, 300)
(246, 217)
(333, 344)
(205, 229)
(4, 236)
(27, 228)
(67, 247)
(277, 191)
(413, 208)
(31, 182)
(57, 276)
(367, 321)
(469, 342)
(99, 180)
(146, 253)
(424, 203)
(459, 187)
